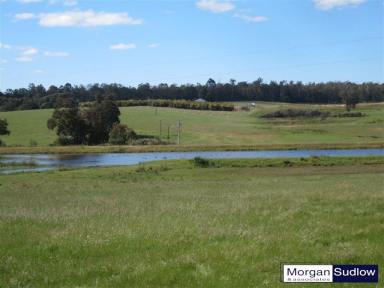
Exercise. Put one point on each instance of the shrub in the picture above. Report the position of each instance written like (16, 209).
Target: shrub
(32, 143)
(120, 134)
(296, 113)
(4, 127)
(64, 140)
(350, 114)
(181, 104)
(149, 141)
(143, 169)
(201, 162)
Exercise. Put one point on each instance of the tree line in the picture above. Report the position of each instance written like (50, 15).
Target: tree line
(181, 104)
(39, 97)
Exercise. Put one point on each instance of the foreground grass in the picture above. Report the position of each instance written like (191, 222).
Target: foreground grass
(210, 128)
(171, 224)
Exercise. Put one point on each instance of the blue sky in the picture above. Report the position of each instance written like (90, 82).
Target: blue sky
(130, 42)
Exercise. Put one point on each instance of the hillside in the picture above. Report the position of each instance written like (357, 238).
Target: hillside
(221, 128)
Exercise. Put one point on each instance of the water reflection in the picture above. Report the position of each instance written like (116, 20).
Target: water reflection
(43, 162)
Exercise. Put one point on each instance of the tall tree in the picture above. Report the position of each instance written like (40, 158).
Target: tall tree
(100, 118)
(350, 96)
(70, 125)
(4, 127)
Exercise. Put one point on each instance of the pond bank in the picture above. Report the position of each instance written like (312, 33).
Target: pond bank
(181, 148)
(42, 162)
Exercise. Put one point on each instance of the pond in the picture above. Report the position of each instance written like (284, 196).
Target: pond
(43, 162)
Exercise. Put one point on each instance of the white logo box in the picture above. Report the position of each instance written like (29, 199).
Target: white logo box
(307, 273)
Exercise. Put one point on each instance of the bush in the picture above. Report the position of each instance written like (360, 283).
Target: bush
(350, 114)
(64, 140)
(4, 127)
(201, 162)
(120, 134)
(296, 113)
(181, 104)
(32, 143)
(148, 141)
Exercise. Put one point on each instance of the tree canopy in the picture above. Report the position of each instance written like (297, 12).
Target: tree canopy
(4, 127)
(90, 125)
(39, 97)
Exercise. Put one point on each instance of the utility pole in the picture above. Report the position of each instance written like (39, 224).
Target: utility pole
(168, 131)
(178, 132)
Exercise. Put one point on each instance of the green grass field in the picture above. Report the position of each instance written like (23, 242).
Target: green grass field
(171, 224)
(221, 128)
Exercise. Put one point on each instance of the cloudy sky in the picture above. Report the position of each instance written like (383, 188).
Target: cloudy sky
(189, 41)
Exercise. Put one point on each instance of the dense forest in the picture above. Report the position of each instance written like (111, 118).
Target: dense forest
(39, 97)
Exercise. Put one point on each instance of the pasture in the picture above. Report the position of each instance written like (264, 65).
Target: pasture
(171, 224)
(210, 128)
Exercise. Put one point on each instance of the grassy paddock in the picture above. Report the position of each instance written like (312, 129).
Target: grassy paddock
(293, 162)
(171, 224)
(214, 128)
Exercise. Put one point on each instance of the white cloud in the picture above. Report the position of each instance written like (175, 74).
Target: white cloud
(87, 18)
(5, 46)
(122, 46)
(64, 2)
(28, 1)
(70, 2)
(250, 18)
(30, 51)
(330, 4)
(27, 54)
(215, 6)
(56, 54)
(154, 45)
(24, 16)
(24, 59)
(3, 61)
